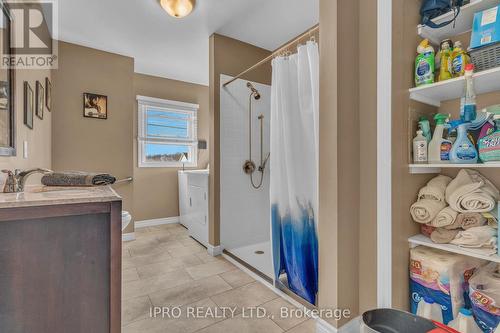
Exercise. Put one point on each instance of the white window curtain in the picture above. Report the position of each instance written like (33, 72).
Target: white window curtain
(294, 169)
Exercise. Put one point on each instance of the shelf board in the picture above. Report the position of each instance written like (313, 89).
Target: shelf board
(436, 168)
(462, 24)
(433, 94)
(426, 241)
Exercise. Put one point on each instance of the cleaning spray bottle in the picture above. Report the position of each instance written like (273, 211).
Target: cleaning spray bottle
(439, 147)
(468, 100)
(425, 126)
(463, 150)
(424, 64)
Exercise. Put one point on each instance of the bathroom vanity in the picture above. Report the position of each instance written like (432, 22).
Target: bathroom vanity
(60, 260)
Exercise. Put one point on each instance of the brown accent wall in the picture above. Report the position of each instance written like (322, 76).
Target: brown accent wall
(368, 155)
(227, 56)
(93, 144)
(39, 138)
(348, 156)
(156, 189)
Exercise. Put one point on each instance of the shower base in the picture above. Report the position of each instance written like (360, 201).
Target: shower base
(252, 256)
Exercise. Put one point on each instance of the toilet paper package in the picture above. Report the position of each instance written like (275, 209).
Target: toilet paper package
(484, 289)
(441, 276)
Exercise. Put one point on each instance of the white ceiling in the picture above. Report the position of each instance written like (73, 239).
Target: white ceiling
(178, 49)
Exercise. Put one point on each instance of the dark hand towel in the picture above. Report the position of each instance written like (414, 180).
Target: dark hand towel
(77, 178)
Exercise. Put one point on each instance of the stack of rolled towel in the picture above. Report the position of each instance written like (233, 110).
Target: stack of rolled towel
(459, 211)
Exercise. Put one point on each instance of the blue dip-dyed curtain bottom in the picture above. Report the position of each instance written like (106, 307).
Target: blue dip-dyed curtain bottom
(294, 170)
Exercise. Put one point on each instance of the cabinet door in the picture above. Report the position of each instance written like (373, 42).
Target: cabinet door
(198, 221)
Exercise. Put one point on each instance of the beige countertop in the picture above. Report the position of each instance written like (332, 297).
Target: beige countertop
(48, 196)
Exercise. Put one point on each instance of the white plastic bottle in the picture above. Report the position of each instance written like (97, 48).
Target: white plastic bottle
(465, 322)
(439, 147)
(420, 148)
(429, 309)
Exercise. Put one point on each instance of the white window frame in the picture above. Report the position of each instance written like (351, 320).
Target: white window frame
(143, 103)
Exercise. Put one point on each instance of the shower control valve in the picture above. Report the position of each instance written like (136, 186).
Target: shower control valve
(249, 167)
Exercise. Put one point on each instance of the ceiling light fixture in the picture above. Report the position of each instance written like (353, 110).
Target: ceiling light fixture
(178, 8)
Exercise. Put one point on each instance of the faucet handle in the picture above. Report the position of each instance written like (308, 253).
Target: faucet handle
(10, 182)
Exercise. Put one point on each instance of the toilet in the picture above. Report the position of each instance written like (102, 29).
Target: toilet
(126, 219)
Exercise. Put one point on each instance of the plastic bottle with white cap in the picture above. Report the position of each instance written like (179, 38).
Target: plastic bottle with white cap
(465, 322)
(429, 309)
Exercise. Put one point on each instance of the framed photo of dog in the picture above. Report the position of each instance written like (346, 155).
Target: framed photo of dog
(95, 106)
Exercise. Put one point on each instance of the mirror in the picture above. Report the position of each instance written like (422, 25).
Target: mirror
(7, 112)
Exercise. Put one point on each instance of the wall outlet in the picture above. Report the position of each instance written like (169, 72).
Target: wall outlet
(25, 149)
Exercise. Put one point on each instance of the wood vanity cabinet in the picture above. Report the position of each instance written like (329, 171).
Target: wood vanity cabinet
(60, 268)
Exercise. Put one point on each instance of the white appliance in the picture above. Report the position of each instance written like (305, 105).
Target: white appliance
(193, 203)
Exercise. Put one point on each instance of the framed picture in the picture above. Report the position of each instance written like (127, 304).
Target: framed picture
(95, 106)
(29, 103)
(48, 94)
(40, 99)
(7, 84)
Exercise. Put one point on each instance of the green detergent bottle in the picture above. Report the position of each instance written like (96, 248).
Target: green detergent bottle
(424, 64)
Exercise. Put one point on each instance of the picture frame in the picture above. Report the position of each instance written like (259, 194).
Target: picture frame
(7, 89)
(95, 106)
(29, 104)
(48, 94)
(39, 99)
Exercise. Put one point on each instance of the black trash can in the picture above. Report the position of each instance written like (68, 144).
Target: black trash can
(394, 321)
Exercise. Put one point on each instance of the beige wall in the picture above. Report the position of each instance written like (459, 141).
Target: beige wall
(156, 189)
(93, 144)
(111, 145)
(227, 56)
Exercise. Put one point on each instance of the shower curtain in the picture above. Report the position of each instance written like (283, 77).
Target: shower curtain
(294, 169)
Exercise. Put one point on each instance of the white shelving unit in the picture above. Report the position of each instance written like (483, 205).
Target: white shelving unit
(436, 168)
(426, 241)
(462, 24)
(433, 94)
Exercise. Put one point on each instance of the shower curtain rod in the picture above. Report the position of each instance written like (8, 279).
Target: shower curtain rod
(270, 57)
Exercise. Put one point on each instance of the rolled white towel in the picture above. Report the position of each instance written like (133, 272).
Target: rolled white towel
(476, 237)
(425, 210)
(435, 188)
(471, 192)
(444, 218)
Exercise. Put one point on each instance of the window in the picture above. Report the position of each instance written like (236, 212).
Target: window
(167, 133)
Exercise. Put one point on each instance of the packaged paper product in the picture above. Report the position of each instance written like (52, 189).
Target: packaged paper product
(442, 277)
(485, 297)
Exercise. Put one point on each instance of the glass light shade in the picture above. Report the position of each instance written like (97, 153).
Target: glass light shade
(178, 8)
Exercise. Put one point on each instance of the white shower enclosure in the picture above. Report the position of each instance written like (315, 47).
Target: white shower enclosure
(244, 211)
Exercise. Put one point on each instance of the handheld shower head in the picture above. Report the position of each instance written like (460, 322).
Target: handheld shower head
(255, 92)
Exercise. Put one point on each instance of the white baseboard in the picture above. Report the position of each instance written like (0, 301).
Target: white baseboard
(214, 251)
(155, 222)
(128, 237)
(353, 326)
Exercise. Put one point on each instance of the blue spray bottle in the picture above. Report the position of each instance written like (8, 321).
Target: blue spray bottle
(463, 151)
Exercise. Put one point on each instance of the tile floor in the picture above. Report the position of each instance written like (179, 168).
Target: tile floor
(165, 267)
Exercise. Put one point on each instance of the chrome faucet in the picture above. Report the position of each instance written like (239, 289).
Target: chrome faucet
(16, 180)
